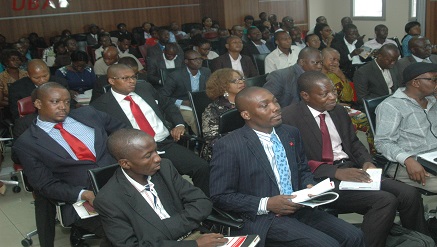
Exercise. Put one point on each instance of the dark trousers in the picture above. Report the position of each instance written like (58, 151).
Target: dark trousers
(187, 163)
(312, 227)
(379, 209)
(45, 213)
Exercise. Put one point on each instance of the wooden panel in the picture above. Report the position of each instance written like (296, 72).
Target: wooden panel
(213, 9)
(235, 10)
(47, 21)
(298, 9)
(431, 21)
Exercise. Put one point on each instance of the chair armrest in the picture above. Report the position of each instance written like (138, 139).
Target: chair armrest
(230, 216)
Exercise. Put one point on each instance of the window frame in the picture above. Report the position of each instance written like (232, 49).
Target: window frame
(369, 18)
(410, 10)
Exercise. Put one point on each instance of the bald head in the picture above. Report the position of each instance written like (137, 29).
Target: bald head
(308, 52)
(244, 96)
(110, 55)
(115, 68)
(38, 72)
(46, 89)
(124, 141)
(308, 80)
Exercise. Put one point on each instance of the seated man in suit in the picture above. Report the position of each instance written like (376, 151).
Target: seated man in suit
(255, 169)
(334, 151)
(255, 44)
(283, 83)
(124, 47)
(92, 38)
(233, 59)
(378, 77)
(285, 55)
(296, 37)
(157, 50)
(349, 48)
(167, 60)
(38, 74)
(421, 50)
(191, 78)
(406, 125)
(129, 214)
(58, 149)
(149, 111)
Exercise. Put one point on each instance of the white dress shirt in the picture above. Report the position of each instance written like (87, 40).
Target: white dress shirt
(387, 77)
(236, 64)
(351, 47)
(279, 60)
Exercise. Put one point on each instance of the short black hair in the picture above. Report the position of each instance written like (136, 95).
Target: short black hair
(280, 32)
(348, 27)
(249, 17)
(119, 25)
(79, 55)
(307, 80)
(410, 25)
(8, 53)
(379, 27)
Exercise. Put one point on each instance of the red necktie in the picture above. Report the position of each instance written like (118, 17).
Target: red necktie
(81, 151)
(139, 117)
(327, 154)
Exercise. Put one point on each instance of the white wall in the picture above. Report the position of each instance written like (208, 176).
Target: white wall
(396, 16)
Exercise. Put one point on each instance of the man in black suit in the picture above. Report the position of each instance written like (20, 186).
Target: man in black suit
(255, 44)
(250, 178)
(157, 111)
(349, 49)
(191, 78)
(233, 59)
(128, 215)
(54, 167)
(378, 77)
(92, 38)
(169, 59)
(38, 74)
(157, 50)
(349, 161)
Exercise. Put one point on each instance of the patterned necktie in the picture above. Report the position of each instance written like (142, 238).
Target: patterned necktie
(327, 154)
(139, 117)
(282, 166)
(149, 187)
(81, 151)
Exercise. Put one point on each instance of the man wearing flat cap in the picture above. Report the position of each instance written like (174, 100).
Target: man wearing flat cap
(406, 125)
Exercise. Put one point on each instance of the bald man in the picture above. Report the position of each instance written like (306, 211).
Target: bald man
(38, 74)
(421, 50)
(191, 78)
(111, 56)
(379, 77)
(181, 206)
(249, 178)
(283, 82)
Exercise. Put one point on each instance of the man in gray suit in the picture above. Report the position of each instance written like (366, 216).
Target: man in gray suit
(254, 170)
(283, 82)
(421, 49)
(191, 78)
(379, 77)
(168, 211)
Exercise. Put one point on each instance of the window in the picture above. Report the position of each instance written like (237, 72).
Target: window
(413, 10)
(368, 10)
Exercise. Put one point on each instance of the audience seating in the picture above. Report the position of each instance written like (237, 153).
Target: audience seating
(259, 62)
(257, 81)
(187, 27)
(229, 121)
(205, 63)
(199, 101)
(395, 39)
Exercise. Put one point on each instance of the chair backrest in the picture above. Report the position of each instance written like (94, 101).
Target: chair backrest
(199, 101)
(25, 106)
(229, 121)
(100, 176)
(370, 107)
(257, 81)
(259, 62)
(164, 73)
(205, 63)
(395, 39)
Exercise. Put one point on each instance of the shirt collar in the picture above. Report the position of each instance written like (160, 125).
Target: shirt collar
(347, 43)
(48, 126)
(315, 112)
(137, 185)
(120, 97)
(165, 59)
(418, 59)
(194, 76)
(237, 60)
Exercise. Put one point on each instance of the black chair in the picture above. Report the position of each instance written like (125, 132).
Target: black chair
(199, 101)
(229, 121)
(259, 62)
(257, 81)
(218, 219)
(205, 63)
(164, 73)
(395, 39)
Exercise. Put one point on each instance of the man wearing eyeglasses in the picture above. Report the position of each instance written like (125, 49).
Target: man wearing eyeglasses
(191, 78)
(406, 125)
(421, 50)
(140, 106)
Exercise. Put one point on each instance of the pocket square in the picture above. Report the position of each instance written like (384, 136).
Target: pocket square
(291, 144)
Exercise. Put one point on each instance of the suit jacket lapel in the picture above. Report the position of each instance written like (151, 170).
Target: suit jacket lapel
(186, 79)
(140, 205)
(380, 78)
(48, 143)
(309, 120)
(202, 80)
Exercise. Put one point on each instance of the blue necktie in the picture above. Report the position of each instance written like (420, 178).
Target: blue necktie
(282, 166)
(149, 187)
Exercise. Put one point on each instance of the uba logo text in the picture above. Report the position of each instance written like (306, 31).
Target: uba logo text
(19, 5)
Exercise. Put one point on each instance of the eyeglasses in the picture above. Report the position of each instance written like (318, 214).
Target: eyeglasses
(238, 80)
(126, 78)
(433, 79)
(195, 59)
(289, 20)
